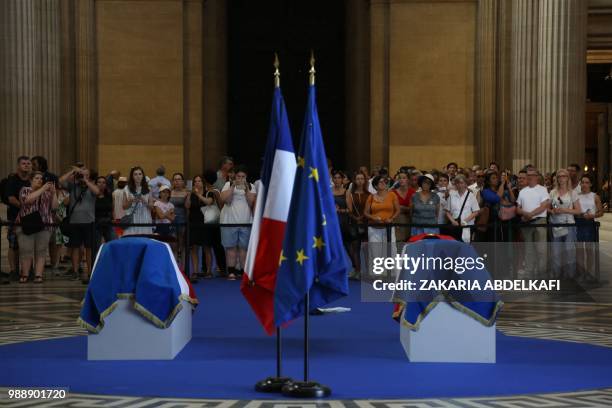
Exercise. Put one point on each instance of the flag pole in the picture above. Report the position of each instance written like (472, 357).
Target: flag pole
(275, 384)
(307, 388)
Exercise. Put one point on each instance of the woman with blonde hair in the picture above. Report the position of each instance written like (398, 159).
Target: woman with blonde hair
(565, 204)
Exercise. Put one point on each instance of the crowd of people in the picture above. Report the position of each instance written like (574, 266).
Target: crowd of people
(208, 217)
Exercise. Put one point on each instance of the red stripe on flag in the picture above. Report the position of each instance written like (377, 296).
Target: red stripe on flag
(260, 291)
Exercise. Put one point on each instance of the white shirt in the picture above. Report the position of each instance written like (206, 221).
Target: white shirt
(154, 187)
(531, 198)
(568, 200)
(165, 208)
(118, 211)
(371, 188)
(587, 203)
(238, 210)
(454, 204)
(455, 201)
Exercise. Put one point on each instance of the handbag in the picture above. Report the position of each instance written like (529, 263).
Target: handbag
(506, 213)
(211, 212)
(32, 223)
(127, 219)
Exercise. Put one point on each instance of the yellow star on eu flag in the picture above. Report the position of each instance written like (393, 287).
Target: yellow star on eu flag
(318, 242)
(301, 161)
(301, 257)
(282, 258)
(314, 173)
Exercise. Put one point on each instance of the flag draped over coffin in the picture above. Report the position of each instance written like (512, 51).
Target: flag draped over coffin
(141, 269)
(410, 309)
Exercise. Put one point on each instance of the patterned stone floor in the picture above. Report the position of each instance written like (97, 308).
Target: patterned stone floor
(34, 312)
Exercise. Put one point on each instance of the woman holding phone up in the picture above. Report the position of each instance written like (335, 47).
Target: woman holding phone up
(37, 203)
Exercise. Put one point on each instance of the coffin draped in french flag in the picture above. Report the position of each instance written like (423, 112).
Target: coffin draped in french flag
(270, 217)
(141, 269)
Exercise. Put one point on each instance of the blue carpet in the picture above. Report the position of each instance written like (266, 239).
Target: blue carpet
(357, 354)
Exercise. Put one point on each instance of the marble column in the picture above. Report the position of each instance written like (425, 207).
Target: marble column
(68, 142)
(49, 98)
(214, 81)
(503, 105)
(486, 75)
(193, 147)
(380, 53)
(357, 57)
(86, 109)
(524, 82)
(29, 108)
(561, 83)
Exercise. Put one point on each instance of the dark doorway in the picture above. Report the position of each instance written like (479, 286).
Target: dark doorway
(257, 29)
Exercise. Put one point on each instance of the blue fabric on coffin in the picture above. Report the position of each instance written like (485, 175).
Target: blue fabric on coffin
(481, 304)
(139, 268)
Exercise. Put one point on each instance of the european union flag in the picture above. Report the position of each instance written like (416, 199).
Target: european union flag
(313, 259)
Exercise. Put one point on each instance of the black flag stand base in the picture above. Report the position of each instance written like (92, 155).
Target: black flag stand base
(306, 388)
(274, 384)
(303, 389)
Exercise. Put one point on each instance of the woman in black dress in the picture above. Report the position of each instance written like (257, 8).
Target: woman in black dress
(196, 222)
(205, 233)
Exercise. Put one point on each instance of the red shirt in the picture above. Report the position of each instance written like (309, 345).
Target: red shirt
(406, 201)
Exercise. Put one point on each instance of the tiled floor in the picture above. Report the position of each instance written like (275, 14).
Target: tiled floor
(34, 312)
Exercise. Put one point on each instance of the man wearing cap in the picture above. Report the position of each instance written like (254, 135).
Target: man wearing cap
(156, 182)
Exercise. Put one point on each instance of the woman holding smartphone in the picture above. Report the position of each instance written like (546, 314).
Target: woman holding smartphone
(238, 199)
(37, 203)
(137, 203)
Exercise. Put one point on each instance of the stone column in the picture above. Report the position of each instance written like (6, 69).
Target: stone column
(49, 98)
(29, 107)
(503, 106)
(86, 107)
(214, 81)
(524, 81)
(357, 57)
(561, 83)
(380, 50)
(486, 66)
(68, 142)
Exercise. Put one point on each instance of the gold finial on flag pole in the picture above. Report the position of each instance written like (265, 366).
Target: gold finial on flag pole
(276, 72)
(312, 68)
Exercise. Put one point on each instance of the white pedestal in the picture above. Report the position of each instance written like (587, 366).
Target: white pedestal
(447, 335)
(127, 335)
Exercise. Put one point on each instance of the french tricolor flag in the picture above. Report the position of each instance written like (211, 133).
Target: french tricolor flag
(270, 218)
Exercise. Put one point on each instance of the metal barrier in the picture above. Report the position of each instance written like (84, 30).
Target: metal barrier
(512, 227)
